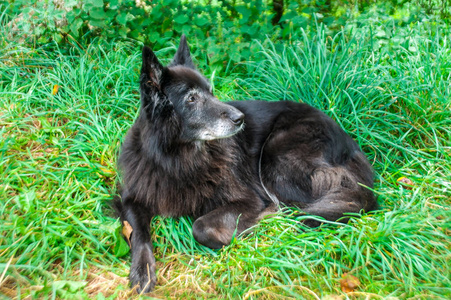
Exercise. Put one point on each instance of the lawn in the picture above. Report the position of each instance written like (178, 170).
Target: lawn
(64, 112)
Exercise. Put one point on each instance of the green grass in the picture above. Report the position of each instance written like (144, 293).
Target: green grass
(57, 172)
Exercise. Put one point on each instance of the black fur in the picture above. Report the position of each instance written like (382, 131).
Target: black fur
(187, 154)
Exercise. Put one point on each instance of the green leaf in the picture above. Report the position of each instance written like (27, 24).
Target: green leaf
(114, 4)
(294, 5)
(248, 29)
(75, 26)
(299, 20)
(328, 20)
(169, 34)
(309, 10)
(156, 12)
(121, 247)
(380, 33)
(123, 32)
(25, 200)
(130, 17)
(54, 140)
(245, 12)
(235, 57)
(186, 29)
(100, 296)
(96, 3)
(97, 23)
(70, 3)
(122, 18)
(70, 16)
(181, 19)
(97, 13)
(70, 286)
(201, 20)
(134, 34)
(288, 16)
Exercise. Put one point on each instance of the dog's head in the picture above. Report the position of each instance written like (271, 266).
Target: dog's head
(180, 91)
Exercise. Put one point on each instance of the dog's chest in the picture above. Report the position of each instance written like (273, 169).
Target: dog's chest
(192, 186)
(193, 196)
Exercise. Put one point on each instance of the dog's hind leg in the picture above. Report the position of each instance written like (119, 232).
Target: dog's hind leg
(332, 207)
(142, 271)
(336, 192)
(217, 228)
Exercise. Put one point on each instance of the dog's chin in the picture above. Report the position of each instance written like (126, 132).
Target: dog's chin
(210, 136)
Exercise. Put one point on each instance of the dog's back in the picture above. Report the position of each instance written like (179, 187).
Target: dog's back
(306, 159)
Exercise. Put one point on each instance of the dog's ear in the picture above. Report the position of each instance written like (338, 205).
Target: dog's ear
(151, 68)
(182, 56)
(154, 101)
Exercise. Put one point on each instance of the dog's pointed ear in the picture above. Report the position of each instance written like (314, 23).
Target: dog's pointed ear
(183, 56)
(151, 67)
(154, 101)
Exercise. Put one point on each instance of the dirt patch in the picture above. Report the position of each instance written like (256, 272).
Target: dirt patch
(106, 283)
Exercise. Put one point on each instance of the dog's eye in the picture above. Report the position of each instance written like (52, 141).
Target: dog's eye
(192, 98)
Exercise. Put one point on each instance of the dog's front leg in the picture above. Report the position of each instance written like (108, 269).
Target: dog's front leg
(142, 270)
(217, 228)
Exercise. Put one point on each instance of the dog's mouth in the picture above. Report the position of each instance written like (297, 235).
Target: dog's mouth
(221, 134)
(238, 129)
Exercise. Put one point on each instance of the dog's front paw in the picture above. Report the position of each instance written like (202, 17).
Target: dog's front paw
(142, 271)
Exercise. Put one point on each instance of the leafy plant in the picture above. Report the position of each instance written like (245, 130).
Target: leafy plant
(222, 32)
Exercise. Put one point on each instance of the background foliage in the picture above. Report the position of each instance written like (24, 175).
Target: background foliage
(224, 30)
(68, 93)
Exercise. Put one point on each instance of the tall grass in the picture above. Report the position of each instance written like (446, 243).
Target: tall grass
(57, 168)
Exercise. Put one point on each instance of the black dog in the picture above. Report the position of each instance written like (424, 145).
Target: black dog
(188, 154)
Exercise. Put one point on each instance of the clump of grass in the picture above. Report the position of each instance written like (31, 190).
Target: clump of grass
(58, 160)
(376, 95)
(57, 164)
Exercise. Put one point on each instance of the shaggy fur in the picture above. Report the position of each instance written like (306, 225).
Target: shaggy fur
(188, 154)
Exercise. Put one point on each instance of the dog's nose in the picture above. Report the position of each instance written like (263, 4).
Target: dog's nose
(237, 118)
